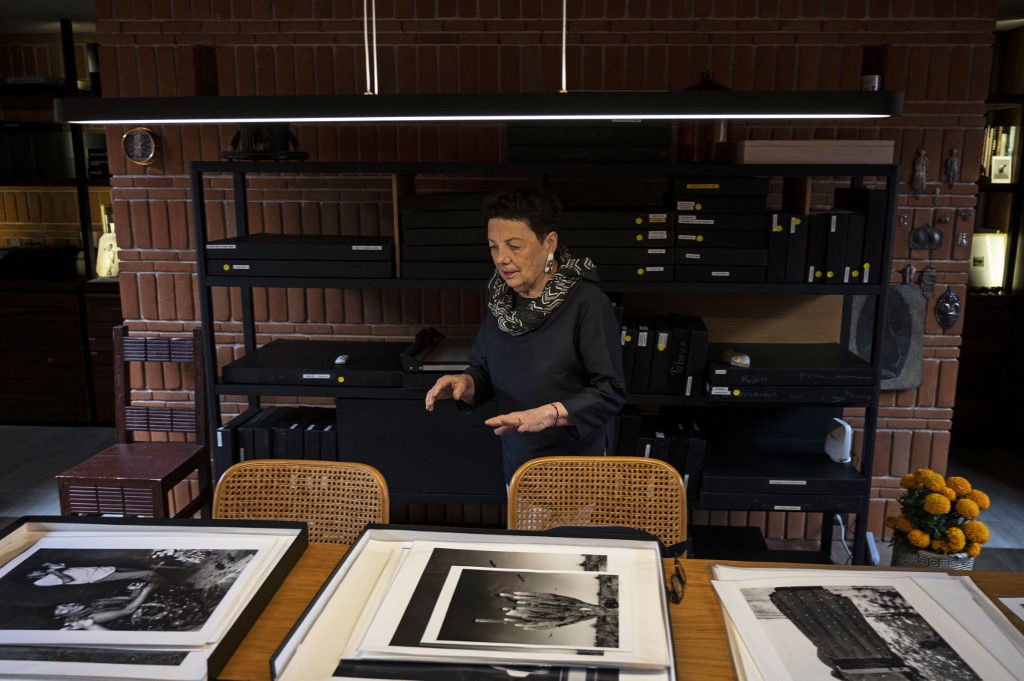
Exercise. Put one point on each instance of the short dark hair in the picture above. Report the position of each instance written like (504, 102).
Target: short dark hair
(534, 205)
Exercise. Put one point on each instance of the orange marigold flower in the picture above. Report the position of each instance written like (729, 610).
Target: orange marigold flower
(919, 539)
(936, 503)
(967, 508)
(903, 524)
(909, 481)
(973, 550)
(958, 485)
(980, 498)
(931, 479)
(976, 531)
(948, 492)
(940, 546)
(955, 539)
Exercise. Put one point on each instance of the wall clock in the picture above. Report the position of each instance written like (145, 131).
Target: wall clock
(139, 146)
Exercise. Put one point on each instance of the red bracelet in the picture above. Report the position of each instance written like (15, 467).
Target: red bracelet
(557, 416)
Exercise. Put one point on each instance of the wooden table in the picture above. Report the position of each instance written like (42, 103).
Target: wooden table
(697, 625)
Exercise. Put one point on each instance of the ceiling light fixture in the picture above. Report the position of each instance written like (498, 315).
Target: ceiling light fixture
(496, 107)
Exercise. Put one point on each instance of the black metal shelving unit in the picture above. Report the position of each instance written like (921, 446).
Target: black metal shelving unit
(233, 179)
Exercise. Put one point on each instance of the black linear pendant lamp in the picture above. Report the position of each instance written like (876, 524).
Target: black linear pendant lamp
(373, 107)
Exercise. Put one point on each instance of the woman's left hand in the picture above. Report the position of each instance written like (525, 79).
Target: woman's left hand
(529, 421)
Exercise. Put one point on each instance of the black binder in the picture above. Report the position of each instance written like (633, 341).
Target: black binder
(874, 204)
(228, 447)
(628, 338)
(817, 240)
(835, 248)
(680, 353)
(796, 249)
(778, 233)
(853, 270)
(640, 380)
(661, 356)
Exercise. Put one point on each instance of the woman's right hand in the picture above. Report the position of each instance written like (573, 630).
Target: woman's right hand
(451, 386)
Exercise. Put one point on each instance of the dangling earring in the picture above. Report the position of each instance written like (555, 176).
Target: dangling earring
(549, 264)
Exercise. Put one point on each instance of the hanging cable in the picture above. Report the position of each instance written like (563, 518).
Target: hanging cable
(565, 13)
(368, 16)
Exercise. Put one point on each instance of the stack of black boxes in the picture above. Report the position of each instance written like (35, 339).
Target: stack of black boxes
(444, 237)
(625, 244)
(722, 229)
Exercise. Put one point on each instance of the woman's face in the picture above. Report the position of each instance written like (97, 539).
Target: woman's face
(519, 255)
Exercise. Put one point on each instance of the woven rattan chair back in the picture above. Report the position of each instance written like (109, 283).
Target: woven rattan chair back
(573, 491)
(335, 498)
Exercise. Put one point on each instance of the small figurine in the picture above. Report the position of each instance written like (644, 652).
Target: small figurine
(947, 309)
(952, 167)
(920, 178)
(927, 281)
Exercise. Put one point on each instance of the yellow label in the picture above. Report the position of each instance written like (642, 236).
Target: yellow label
(867, 266)
(697, 206)
(705, 185)
(777, 228)
(797, 221)
(817, 274)
(829, 274)
(227, 267)
(640, 271)
(638, 221)
(700, 237)
(341, 379)
(855, 273)
(736, 392)
(639, 237)
(629, 339)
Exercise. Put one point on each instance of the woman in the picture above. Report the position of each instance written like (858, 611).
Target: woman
(549, 352)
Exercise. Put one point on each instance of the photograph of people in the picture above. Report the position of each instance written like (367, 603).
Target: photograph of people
(549, 351)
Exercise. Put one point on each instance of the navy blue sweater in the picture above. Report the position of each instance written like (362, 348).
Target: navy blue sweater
(575, 358)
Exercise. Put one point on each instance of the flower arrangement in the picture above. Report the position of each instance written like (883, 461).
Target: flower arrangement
(940, 514)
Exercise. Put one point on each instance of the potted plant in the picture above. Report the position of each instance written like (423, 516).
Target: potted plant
(938, 525)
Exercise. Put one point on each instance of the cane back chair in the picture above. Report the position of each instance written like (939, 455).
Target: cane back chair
(336, 499)
(622, 491)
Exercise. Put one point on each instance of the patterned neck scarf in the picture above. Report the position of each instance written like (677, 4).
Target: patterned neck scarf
(501, 298)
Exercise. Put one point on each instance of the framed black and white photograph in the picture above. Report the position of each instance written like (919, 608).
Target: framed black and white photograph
(822, 628)
(134, 598)
(124, 590)
(530, 608)
(420, 607)
(1001, 170)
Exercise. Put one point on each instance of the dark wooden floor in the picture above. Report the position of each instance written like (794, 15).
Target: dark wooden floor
(30, 457)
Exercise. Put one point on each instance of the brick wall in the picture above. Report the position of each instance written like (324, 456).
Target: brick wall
(939, 54)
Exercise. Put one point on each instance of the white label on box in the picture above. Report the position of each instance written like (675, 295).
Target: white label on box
(786, 508)
(315, 377)
(692, 256)
(656, 251)
(688, 237)
(721, 273)
(657, 217)
(787, 482)
(240, 267)
(220, 247)
(659, 268)
(657, 234)
(719, 390)
(378, 247)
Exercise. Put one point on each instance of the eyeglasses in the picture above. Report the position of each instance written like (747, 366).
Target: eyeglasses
(677, 583)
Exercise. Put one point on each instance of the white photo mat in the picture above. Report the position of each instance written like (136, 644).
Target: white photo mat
(582, 586)
(780, 651)
(647, 595)
(252, 551)
(329, 631)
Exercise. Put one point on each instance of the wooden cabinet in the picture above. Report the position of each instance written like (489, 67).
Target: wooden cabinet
(49, 333)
